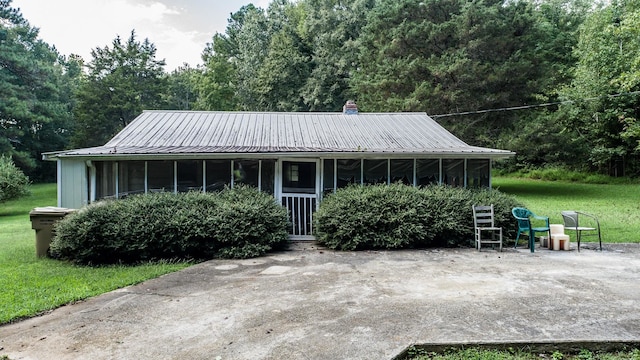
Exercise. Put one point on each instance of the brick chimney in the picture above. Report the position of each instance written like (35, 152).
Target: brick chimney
(350, 108)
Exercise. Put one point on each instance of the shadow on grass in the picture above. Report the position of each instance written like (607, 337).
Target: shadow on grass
(549, 189)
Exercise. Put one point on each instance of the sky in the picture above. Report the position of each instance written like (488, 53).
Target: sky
(180, 29)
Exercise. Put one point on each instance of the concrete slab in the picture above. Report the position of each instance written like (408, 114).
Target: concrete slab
(313, 303)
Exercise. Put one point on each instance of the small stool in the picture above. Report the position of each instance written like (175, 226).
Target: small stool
(559, 240)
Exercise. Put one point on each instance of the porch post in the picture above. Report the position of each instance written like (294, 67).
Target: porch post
(146, 177)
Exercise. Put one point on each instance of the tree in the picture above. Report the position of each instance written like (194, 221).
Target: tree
(231, 62)
(34, 117)
(13, 182)
(122, 80)
(450, 56)
(607, 78)
(539, 136)
(181, 92)
(252, 41)
(216, 84)
(331, 28)
(286, 65)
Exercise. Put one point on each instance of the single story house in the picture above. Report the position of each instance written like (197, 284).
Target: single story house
(297, 157)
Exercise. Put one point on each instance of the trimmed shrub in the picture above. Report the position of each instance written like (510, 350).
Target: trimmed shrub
(400, 216)
(235, 223)
(372, 217)
(13, 182)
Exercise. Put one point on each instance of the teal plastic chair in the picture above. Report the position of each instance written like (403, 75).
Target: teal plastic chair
(524, 218)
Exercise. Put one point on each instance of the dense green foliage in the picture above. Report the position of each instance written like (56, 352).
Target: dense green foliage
(608, 54)
(467, 63)
(236, 223)
(32, 285)
(34, 95)
(13, 183)
(399, 216)
(123, 80)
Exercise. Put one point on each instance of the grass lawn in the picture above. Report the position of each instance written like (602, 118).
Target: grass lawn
(617, 206)
(479, 354)
(31, 285)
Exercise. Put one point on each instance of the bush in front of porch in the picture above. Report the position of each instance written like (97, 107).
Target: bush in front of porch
(399, 216)
(235, 223)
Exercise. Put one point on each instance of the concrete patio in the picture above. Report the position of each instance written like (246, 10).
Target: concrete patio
(312, 303)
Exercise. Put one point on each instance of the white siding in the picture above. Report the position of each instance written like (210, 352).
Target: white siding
(72, 183)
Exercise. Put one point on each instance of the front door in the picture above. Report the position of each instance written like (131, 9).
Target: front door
(299, 193)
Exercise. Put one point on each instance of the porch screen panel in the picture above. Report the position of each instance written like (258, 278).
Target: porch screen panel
(402, 170)
(328, 185)
(246, 172)
(218, 174)
(160, 175)
(427, 171)
(478, 173)
(189, 175)
(267, 177)
(453, 172)
(376, 171)
(130, 178)
(348, 172)
(299, 177)
(105, 179)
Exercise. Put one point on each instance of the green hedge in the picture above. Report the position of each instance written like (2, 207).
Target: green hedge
(235, 223)
(399, 216)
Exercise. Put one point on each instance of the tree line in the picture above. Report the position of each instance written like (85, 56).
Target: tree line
(556, 81)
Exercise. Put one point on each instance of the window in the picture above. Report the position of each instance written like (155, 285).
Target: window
(402, 170)
(453, 172)
(160, 175)
(218, 174)
(267, 176)
(328, 177)
(246, 172)
(105, 179)
(376, 171)
(189, 175)
(478, 173)
(348, 172)
(427, 171)
(130, 177)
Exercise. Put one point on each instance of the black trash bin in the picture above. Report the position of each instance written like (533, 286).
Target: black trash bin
(42, 220)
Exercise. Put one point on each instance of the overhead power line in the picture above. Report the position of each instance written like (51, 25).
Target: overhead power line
(524, 107)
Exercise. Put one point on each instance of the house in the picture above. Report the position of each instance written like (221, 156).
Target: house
(297, 157)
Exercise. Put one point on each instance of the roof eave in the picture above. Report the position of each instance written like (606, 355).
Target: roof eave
(495, 155)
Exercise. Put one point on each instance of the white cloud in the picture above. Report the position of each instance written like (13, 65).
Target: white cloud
(78, 26)
(179, 29)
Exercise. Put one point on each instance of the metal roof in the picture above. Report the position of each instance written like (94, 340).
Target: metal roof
(208, 132)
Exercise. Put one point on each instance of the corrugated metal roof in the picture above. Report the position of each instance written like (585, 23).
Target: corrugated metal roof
(200, 132)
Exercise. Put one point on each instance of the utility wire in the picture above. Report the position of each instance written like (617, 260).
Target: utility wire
(532, 106)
